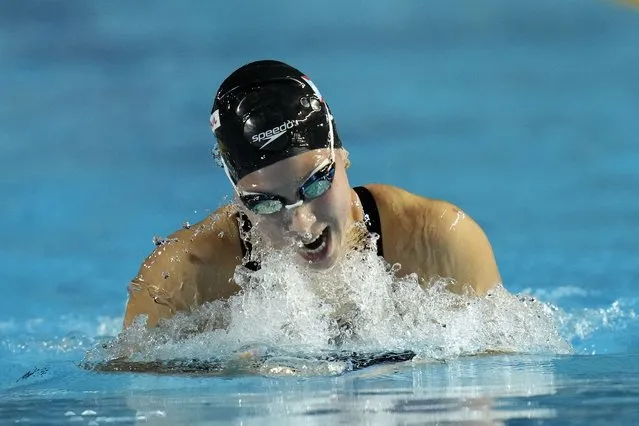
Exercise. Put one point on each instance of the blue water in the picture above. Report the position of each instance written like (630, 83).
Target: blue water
(522, 113)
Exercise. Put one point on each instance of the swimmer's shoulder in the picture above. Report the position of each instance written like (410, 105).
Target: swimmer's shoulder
(437, 230)
(396, 203)
(192, 266)
(441, 219)
(406, 216)
(213, 240)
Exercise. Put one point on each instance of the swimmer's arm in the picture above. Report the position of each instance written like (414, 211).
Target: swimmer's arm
(194, 266)
(468, 255)
(142, 303)
(158, 290)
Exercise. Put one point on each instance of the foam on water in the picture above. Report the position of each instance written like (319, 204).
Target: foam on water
(361, 305)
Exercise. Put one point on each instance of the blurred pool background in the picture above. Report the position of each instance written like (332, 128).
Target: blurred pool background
(522, 113)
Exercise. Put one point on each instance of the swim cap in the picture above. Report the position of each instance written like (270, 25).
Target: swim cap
(267, 111)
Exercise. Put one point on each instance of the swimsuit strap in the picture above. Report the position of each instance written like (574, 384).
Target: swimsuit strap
(245, 227)
(373, 224)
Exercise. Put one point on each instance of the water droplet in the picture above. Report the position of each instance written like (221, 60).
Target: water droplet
(159, 241)
(217, 156)
(186, 225)
(221, 234)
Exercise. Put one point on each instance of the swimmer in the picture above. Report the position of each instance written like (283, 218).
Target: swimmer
(279, 147)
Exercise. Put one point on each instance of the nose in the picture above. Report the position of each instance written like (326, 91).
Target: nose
(300, 220)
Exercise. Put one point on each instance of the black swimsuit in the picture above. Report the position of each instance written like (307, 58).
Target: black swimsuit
(373, 224)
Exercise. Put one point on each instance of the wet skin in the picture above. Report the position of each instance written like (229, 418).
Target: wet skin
(431, 238)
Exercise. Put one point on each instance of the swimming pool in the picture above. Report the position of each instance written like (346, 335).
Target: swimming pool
(522, 114)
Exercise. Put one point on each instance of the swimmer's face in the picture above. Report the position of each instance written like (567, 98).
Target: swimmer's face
(317, 227)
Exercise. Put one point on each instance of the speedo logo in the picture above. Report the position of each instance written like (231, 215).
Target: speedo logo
(271, 135)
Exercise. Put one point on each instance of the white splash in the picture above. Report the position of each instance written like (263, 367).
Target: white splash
(358, 306)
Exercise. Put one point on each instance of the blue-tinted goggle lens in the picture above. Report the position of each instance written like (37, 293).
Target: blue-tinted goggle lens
(315, 186)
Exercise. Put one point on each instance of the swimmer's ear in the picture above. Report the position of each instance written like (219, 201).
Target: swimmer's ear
(344, 154)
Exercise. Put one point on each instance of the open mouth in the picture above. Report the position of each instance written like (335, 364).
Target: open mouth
(317, 249)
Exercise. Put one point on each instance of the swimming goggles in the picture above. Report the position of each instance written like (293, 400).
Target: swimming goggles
(317, 184)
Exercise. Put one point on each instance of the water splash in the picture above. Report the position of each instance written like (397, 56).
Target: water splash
(285, 311)
(606, 329)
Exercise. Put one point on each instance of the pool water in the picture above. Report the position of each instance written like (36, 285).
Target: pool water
(523, 114)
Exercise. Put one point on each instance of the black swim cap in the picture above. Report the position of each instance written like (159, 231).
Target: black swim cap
(267, 111)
